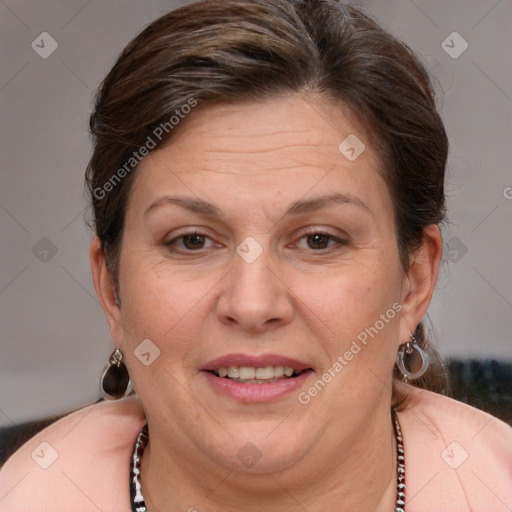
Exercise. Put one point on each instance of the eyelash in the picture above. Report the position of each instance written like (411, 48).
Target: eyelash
(339, 242)
(171, 244)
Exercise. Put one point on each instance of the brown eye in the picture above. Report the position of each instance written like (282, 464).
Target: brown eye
(318, 241)
(193, 241)
(188, 242)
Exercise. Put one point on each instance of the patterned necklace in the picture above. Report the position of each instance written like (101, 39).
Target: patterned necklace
(137, 500)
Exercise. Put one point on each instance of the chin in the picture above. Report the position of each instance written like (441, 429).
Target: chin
(262, 450)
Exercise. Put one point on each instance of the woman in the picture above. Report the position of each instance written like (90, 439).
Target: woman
(267, 188)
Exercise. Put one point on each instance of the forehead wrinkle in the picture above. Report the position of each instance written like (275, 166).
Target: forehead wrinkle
(267, 150)
(212, 160)
(260, 172)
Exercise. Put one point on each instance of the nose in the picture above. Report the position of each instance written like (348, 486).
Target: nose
(254, 297)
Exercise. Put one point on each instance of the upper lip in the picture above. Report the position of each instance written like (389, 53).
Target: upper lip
(256, 361)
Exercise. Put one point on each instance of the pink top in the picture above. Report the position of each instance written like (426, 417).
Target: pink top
(457, 459)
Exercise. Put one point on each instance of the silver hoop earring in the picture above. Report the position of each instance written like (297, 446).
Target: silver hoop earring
(417, 360)
(115, 381)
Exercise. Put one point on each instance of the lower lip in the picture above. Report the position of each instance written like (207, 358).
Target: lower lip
(253, 393)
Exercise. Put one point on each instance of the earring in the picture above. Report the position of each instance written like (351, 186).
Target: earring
(411, 351)
(115, 381)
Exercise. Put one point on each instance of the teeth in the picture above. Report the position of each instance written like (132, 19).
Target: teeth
(278, 371)
(265, 373)
(233, 372)
(248, 373)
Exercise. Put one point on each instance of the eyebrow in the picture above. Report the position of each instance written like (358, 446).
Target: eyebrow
(300, 207)
(189, 203)
(312, 205)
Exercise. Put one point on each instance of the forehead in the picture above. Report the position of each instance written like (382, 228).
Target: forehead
(290, 145)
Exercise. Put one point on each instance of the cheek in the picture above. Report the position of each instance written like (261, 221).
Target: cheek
(162, 305)
(356, 320)
(345, 302)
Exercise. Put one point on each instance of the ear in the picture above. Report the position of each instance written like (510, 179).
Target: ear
(420, 281)
(105, 291)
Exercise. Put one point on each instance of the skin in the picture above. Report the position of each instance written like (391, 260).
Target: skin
(252, 162)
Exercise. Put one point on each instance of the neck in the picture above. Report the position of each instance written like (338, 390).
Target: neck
(359, 473)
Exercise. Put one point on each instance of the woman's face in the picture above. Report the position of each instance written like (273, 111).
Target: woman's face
(252, 240)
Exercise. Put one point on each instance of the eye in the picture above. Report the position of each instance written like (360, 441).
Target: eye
(190, 242)
(319, 241)
(194, 241)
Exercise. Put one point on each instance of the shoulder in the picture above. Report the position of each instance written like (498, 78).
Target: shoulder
(81, 462)
(460, 458)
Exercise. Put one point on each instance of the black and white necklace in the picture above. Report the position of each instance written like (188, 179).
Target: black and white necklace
(137, 500)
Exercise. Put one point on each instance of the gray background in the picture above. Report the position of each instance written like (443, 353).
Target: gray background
(54, 340)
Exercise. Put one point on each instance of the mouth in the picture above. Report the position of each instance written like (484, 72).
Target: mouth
(263, 378)
(256, 375)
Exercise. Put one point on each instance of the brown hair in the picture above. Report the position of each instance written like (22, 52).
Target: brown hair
(242, 50)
